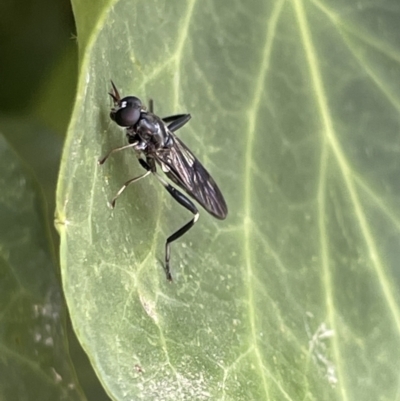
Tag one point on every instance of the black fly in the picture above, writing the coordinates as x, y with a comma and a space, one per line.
154, 141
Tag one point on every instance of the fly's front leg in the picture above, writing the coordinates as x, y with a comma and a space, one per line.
131, 145
186, 203
137, 145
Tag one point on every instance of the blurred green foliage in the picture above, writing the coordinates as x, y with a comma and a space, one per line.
38, 69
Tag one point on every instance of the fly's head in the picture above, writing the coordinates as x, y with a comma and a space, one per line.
126, 111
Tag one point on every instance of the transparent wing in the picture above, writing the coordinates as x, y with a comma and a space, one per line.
182, 167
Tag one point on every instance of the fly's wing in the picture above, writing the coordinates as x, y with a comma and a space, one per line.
182, 167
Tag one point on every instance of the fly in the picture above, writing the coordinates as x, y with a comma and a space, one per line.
155, 143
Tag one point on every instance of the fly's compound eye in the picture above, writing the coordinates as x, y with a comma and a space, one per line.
128, 113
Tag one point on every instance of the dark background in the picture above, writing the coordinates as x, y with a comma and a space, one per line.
38, 70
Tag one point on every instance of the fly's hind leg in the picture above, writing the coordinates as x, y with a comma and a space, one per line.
186, 203
176, 121
151, 106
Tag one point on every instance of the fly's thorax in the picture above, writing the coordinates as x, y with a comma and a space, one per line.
151, 129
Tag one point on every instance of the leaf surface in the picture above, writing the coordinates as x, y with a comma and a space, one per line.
295, 114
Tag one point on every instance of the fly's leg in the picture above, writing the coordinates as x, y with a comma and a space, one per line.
131, 145
175, 117
122, 189
131, 181
186, 203
178, 121
151, 106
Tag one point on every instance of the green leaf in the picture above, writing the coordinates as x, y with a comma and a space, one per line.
34, 363
295, 295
